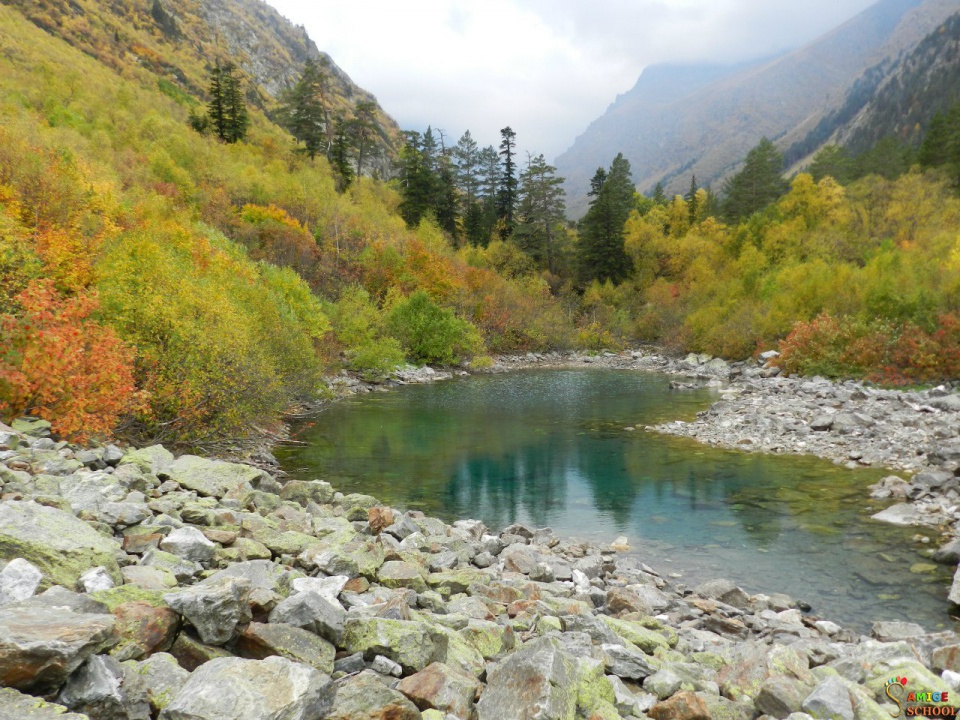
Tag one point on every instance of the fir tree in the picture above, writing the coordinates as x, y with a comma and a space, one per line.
693, 202
304, 111
507, 198
362, 129
227, 110
541, 210
340, 156
758, 184
601, 253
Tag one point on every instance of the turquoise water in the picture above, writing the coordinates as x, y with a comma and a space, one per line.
552, 448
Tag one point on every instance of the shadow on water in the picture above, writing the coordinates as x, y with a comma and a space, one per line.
552, 448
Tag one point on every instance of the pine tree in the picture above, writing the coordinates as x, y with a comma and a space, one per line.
507, 198
659, 196
227, 109
340, 156
758, 184
693, 202
541, 210
484, 220
304, 111
362, 129
601, 253
416, 175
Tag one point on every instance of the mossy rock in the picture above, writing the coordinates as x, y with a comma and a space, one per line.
128, 593
411, 643
644, 638
304, 492
60, 545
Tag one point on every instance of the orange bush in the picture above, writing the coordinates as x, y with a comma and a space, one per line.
58, 363
879, 351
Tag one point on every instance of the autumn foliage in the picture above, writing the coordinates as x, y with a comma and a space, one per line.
58, 363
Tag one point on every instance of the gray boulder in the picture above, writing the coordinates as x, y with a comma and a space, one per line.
189, 544
311, 611
627, 663
15, 705
162, 678
214, 478
215, 609
41, 646
19, 580
271, 689
539, 680
830, 700
365, 697
104, 689
58, 544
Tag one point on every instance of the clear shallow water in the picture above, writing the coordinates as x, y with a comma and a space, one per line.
551, 448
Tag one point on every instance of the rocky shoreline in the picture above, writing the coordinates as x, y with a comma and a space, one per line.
137, 585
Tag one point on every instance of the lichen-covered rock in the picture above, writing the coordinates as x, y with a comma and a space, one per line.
271, 689
305, 492
15, 705
413, 644
364, 697
144, 629
214, 478
682, 706
41, 646
399, 574
155, 459
644, 638
162, 678
538, 680
58, 544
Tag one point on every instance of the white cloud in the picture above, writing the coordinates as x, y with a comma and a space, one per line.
547, 68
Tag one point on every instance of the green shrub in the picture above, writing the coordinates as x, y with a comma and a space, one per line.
430, 333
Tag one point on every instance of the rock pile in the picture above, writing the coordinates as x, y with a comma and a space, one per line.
138, 585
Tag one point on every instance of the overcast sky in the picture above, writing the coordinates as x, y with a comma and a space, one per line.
547, 68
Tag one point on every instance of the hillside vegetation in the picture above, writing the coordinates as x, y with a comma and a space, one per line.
206, 285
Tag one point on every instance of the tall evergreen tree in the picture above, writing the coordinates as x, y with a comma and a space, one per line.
600, 249
507, 199
758, 184
362, 129
416, 179
480, 222
340, 156
541, 211
304, 110
227, 109
659, 196
693, 202
445, 203
467, 158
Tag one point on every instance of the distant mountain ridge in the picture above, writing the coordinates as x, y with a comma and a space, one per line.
179, 40
707, 128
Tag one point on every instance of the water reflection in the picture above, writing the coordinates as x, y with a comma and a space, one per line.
552, 448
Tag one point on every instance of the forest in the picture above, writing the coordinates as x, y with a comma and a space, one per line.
178, 268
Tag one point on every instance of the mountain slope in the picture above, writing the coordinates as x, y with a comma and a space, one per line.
709, 131
918, 86
180, 40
